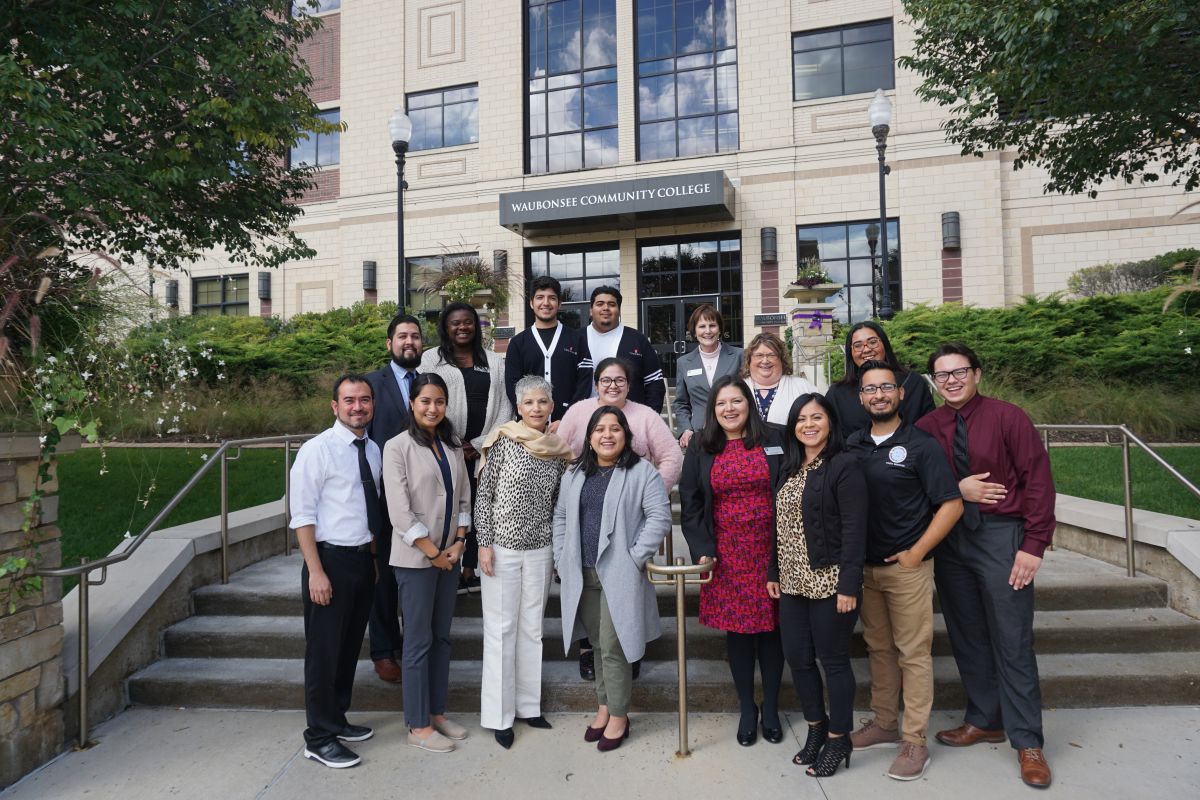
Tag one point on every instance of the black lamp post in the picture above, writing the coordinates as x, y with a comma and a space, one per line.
880, 114
400, 129
873, 242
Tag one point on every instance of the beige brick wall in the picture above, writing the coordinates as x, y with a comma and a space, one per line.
799, 163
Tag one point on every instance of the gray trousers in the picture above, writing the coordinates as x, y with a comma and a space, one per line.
614, 674
991, 628
427, 597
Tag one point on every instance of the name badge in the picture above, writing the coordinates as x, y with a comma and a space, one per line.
773, 450
691, 373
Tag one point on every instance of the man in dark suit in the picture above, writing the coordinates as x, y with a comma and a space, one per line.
391, 385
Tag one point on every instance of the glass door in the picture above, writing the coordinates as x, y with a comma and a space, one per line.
664, 321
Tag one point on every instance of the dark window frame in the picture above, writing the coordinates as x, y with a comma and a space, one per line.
545, 91
425, 310
224, 303
841, 30
729, 297
583, 302
714, 66
317, 138
300, 8
853, 288
443, 105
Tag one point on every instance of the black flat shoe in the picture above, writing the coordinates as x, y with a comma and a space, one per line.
333, 754
606, 744
772, 735
355, 733
537, 722
748, 736
505, 738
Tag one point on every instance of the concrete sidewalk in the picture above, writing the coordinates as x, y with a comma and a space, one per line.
185, 753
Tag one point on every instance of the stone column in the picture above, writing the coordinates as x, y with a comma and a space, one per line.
812, 331
32, 687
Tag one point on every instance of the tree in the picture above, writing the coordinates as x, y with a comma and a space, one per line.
1086, 89
151, 129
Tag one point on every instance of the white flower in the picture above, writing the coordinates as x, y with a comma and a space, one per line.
204, 456
70, 351
91, 357
47, 406
128, 535
158, 422
51, 360
166, 342
1187, 350
85, 374
42, 441
221, 362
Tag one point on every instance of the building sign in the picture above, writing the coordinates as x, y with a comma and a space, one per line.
761, 320
695, 197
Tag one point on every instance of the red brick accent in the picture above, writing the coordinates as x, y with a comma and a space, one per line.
500, 345
952, 287
323, 54
328, 186
264, 309
770, 290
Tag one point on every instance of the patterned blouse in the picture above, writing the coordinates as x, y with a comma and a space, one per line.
796, 574
514, 505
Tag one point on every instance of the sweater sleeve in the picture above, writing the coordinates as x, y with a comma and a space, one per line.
663, 449
485, 493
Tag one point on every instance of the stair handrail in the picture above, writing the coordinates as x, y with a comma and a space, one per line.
680, 574
84, 569
1127, 437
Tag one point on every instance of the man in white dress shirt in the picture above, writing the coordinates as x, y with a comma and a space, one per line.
336, 515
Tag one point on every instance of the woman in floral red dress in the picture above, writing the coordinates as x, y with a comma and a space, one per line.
728, 519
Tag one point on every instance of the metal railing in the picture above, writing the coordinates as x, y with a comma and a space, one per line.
85, 568
1127, 437
680, 575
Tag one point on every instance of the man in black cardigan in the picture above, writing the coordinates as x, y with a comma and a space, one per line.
391, 384
549, 349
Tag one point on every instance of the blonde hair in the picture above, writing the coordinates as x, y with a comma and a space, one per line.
772, 341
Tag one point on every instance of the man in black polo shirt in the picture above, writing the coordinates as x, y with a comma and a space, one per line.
913, 504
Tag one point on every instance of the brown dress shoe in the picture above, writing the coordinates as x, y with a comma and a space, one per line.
967, 734
388, 670
1034, 769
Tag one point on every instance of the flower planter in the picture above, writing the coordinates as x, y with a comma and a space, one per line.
817, 293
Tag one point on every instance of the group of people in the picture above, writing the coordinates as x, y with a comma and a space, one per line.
813, 511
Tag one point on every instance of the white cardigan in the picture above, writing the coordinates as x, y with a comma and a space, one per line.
790, 387
498, 408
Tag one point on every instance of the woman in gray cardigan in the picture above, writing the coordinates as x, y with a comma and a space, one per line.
696, 370
612, 514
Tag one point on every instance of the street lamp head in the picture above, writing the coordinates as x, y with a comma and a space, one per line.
400, 128
880, 110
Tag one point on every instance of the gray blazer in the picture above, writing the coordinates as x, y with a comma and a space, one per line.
636, 518
691, 391
416, 497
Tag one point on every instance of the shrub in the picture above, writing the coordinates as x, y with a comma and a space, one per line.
1130, 276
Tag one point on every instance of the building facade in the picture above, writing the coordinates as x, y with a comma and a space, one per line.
664, 146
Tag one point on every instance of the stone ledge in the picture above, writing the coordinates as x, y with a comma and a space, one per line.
132, 587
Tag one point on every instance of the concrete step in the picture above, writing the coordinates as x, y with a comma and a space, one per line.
1103, 631
1068, 681
1067, 581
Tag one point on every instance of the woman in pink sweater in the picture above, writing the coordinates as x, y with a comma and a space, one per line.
652, 439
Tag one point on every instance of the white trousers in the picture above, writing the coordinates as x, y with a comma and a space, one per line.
514, 602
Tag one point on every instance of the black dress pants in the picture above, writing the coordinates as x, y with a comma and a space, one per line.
991, 628
812, 631
333, 636
386, 641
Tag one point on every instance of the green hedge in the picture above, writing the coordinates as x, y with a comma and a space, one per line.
1039, 343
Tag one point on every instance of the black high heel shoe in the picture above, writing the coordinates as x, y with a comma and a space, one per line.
817, 734
772, 733
835, 749
748, 736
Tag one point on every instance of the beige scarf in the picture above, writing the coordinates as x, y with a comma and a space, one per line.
545, 446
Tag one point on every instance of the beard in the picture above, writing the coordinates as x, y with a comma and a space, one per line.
883, 416
407, 362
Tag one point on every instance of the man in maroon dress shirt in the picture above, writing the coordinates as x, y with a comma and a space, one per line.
984, 569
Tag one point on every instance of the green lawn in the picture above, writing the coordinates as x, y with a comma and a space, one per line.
95, 510
1095, 473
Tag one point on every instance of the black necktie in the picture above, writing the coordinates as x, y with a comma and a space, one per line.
370, 494
962, 464
408, 380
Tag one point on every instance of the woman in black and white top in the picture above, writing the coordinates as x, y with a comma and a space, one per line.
514, 508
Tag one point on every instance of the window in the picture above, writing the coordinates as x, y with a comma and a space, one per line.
302, 8
580, 269
571, 53
848, 255
695, 266
319, 149
444, 118
687, 78
423, 271
840, 61
226, 295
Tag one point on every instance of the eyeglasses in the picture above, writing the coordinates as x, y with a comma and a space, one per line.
764, 357
864, 344
871, 388
959, 375
617, 382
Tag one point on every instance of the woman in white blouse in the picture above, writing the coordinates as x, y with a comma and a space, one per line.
768, 373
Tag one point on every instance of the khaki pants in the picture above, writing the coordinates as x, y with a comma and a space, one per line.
897, 617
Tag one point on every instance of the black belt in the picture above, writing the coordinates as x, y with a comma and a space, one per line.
348, 548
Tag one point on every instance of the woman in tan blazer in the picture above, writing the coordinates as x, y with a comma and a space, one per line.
429, 501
